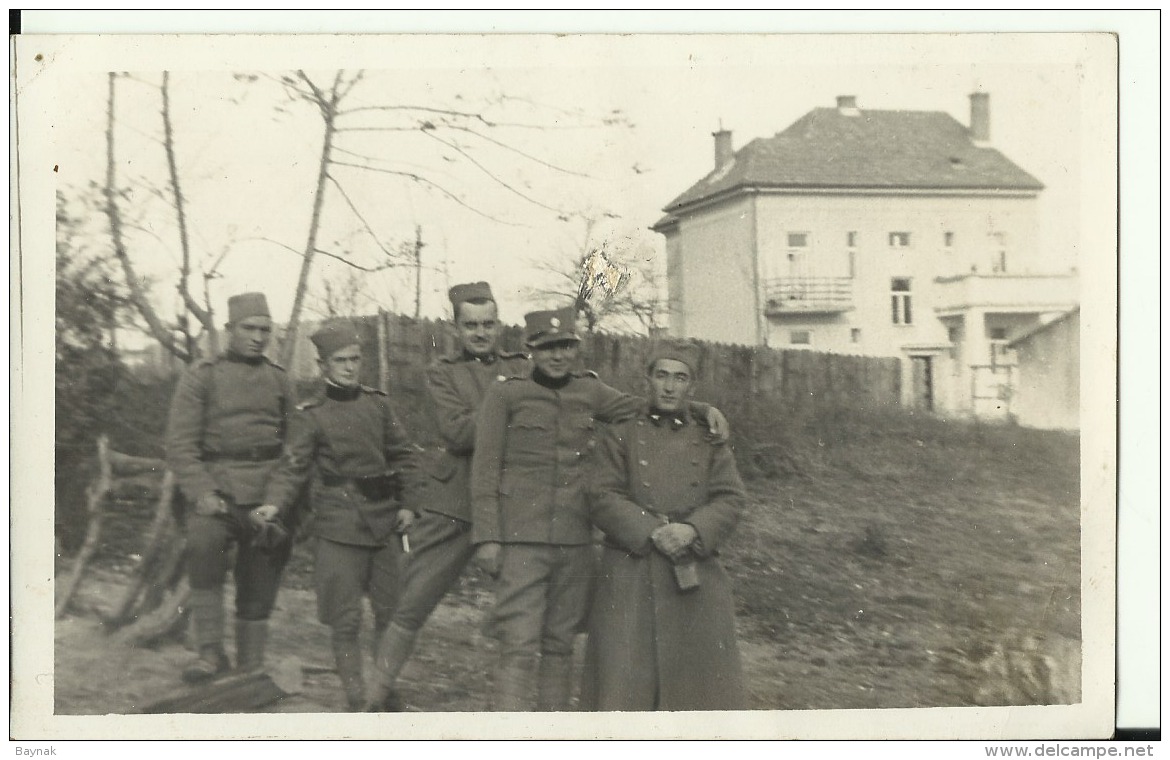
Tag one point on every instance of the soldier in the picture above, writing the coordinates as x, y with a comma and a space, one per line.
529, 518
441, 537
223, 441
662, 624
351, 441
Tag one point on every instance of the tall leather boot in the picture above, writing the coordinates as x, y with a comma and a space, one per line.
554, 685
392, 652
207, 632
347, 654
251, 640
514, 682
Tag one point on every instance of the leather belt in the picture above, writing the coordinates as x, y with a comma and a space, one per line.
264, 453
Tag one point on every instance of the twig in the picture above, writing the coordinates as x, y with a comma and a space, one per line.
95, 495
485, 170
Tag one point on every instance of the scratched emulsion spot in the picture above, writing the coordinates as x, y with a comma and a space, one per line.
38, 57
54, 167
601, 277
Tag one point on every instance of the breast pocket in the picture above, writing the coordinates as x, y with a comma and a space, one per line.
528, 436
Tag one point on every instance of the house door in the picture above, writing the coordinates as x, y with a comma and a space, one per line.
922, 383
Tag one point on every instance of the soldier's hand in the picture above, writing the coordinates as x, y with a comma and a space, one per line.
210, 503
718, 425
673, 539
404, 521
487, 558
263, 514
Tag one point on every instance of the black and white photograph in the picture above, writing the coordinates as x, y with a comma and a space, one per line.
670, 386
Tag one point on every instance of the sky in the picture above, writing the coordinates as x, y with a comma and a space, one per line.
609, 129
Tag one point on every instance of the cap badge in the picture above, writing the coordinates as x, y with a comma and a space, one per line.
555, 322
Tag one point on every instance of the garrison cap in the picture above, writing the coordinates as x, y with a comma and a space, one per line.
247, 305
334, 336
680, 350
544, 327
470, 291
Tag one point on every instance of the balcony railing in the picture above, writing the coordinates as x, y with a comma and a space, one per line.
787, 295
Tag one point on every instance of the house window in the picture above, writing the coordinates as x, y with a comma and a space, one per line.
855, 335
797, 245
852, 263
851, 239
998, 252
800, 337
954, 334
900, 310
949, 239
997, 342
899, 239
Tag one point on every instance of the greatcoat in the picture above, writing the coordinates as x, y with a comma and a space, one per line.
652, 647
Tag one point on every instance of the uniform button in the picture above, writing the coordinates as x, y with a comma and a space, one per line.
647, 485
694, 461
695, 483
641, 442
643, 462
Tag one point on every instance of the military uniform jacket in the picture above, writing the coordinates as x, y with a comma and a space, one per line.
456, 385
531, 446
351, 449
226, 415
652, 471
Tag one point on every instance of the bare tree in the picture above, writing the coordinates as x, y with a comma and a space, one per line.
613, 283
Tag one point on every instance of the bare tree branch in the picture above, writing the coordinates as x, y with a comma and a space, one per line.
424, 181
518, 152
138, 295
389, 253
455, 147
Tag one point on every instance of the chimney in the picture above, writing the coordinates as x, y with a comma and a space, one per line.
981, 117
723, 150
847, 105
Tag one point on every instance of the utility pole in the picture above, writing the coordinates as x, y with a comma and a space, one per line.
418, 246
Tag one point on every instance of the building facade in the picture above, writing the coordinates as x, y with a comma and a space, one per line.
881, 233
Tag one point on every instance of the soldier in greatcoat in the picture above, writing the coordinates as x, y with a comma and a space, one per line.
224, 437
351, 449
529, 516
662, 623
441, 538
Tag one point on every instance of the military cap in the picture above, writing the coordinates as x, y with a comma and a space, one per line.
544, 327
334, 336
470, 291
247, 305
680, 350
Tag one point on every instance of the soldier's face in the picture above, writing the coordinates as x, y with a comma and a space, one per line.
343, 366
555, 359
249, 337
479, 329
670, 384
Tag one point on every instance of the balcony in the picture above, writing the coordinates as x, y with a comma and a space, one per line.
808, 295
1019, 293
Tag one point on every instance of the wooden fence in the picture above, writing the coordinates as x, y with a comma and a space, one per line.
402, 348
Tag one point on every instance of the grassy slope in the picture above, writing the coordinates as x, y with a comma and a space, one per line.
886, 562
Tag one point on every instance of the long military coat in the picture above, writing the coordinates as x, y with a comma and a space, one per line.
455, 385
226, 411
340, 442
650, 646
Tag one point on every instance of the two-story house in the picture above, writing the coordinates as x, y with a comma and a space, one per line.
882, 233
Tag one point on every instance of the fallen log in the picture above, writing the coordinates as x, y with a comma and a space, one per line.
236, 692
95, 497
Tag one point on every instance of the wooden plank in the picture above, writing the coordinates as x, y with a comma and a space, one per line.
95, 494
234, 692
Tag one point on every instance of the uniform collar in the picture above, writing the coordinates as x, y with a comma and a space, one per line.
671, 420
467, 356
232, 356
337, 393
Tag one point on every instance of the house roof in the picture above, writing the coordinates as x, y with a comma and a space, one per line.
1024, 336
826, 148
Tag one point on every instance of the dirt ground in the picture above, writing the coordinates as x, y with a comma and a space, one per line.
857, 586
